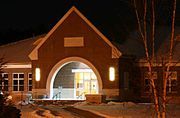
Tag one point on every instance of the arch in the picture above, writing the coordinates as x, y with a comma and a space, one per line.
60, 64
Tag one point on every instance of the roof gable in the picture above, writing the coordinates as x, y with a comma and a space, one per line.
115, 52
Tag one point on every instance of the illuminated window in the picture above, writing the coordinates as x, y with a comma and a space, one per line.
111, 74
87, 76
30, 82
79, 80
171, 82
86, 83
147, 85
4, 81
18, 81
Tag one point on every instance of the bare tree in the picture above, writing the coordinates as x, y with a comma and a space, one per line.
160, 104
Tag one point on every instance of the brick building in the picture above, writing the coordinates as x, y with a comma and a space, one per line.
74, 59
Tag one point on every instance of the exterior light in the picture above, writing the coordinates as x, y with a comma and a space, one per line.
38, 74
111, 74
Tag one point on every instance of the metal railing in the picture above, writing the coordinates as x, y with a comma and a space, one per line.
80, 95
57, 95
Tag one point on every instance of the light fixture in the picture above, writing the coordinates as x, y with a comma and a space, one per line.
111, 74
38, 74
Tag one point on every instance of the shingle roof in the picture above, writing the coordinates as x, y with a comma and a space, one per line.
18, 52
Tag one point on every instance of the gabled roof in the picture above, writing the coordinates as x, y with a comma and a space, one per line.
115, 52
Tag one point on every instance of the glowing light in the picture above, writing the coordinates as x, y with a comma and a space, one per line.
38, 74
9, 97
111, 74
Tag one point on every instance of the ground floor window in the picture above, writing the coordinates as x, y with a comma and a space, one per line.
172, 82
18, 81
4, 81
147, 85
29, 81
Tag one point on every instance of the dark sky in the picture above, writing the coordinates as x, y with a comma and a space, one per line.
21, 19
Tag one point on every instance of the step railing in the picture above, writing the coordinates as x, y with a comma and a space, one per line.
80, 95
57, 95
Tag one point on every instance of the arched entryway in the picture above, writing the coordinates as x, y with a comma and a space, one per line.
72, 78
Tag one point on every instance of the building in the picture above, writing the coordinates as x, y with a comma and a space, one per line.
74, 59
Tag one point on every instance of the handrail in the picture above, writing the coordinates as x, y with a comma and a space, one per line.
80, 95
56, 95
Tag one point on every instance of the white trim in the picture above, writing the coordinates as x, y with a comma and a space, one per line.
18, 79
17, 66
60, 64
34, 54
81, 70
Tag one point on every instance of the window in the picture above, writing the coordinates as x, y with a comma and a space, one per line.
171, 82
79, 80
4, 81
30, 82
18, 81
147, 81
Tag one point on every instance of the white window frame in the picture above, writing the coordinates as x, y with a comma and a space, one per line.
28, 81
18, 84
4, 79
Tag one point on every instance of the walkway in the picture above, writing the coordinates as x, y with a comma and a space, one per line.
82, 113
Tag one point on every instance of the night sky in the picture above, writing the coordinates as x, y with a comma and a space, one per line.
20, 19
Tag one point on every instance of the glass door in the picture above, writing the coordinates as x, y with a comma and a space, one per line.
85, 83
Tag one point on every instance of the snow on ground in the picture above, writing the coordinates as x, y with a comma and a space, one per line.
108, 110
127, 110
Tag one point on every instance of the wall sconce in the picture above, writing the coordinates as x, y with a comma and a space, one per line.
111, 74
38, 74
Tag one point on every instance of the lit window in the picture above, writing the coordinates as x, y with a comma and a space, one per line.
30, 82
79, 80
4, 81
18, 81
147, 85
111, 74
171, 82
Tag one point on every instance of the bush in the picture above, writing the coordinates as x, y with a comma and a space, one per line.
8, 110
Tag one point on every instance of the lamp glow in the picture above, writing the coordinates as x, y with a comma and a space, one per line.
38, 74
111, 74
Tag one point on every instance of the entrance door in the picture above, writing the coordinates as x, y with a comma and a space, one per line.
86, 83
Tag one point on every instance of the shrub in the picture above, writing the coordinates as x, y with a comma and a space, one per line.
8, 110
